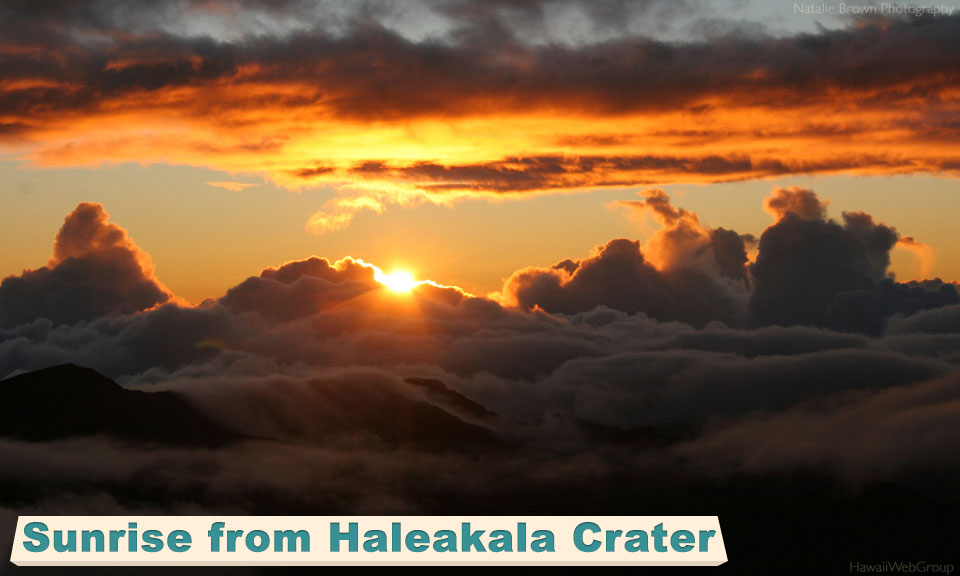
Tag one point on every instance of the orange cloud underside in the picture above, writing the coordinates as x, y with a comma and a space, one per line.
306, 144
488, 114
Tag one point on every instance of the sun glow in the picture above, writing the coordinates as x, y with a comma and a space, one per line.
398, 281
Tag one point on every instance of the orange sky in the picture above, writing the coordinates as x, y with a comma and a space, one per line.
377, 116
378, 163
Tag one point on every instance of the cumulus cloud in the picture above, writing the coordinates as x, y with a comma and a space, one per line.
686, 271
805, 261
809, 269
801, 202
683, 242
95, 270
315, 312
619, 276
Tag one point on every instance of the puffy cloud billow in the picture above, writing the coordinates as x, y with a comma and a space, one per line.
95, 270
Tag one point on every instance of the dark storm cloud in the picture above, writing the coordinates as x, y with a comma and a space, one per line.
95, 270
93, 54
244, 86
730, 252
805, 262
489, 72
619, 276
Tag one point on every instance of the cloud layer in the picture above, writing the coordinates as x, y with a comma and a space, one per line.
436, 101
689, 339
802, 378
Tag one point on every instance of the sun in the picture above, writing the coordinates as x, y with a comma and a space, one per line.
398, 281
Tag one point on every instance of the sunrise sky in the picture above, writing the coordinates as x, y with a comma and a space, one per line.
464, 141
545, 257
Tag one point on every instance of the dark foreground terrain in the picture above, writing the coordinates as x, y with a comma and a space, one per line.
154, 452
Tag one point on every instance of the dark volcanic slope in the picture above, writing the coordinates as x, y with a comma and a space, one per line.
68, 401
439, 391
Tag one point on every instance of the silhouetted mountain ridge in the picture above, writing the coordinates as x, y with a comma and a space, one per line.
68, 401
439, 391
